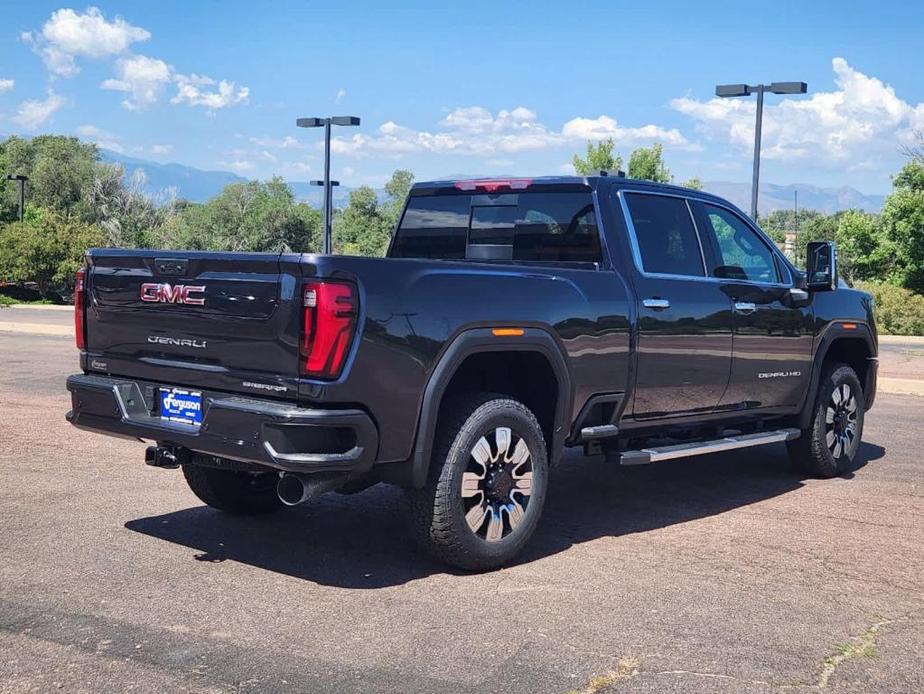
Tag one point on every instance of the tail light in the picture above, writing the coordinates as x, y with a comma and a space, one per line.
330, 321
80, 309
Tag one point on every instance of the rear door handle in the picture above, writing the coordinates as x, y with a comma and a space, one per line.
745, 307
656, 304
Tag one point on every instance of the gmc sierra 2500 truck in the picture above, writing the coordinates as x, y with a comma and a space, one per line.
511, 319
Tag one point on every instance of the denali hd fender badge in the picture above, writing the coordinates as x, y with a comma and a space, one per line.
173, 293
177, 341
779, 374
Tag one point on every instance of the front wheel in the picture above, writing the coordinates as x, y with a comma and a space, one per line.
487, 483
828, 447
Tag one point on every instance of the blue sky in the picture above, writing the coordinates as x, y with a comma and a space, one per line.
470, 87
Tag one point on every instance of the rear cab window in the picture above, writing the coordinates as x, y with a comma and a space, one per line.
532, 225
666, 239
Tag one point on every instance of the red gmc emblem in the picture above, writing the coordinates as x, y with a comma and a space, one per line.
173, 294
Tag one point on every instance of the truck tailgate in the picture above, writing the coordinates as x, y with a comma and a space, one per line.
210, 320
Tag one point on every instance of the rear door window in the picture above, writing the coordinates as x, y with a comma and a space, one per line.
530, 226
667, 240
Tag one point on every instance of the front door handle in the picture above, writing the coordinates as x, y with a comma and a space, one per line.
745, 307
656, 304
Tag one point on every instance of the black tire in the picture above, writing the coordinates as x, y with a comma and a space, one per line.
813, 451
233, 491
437, 514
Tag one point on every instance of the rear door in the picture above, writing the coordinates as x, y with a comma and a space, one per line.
772, 357
223, 321
684, 318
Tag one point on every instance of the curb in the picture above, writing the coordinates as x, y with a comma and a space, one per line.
900, 386
43, 307
37, 328
901, 340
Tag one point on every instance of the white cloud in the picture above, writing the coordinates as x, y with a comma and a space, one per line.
141, 77
102, 138
474, 130
341, 94
239, 165
287, 142
861, 122
68, 35
161, 149
6, 85
193, 90
604, 127
33, 113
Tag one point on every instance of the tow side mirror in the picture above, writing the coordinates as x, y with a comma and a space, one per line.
821, 266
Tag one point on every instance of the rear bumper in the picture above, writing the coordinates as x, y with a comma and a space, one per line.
264, 432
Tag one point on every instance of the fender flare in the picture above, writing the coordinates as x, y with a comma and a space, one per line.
834, 331
480, 340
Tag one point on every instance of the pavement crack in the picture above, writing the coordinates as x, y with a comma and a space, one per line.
861, 646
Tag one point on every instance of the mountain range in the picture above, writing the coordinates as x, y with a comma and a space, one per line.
199, 185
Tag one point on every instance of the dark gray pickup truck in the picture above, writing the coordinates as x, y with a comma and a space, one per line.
511, 319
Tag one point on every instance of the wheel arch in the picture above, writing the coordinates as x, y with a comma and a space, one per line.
481, 344
853, 346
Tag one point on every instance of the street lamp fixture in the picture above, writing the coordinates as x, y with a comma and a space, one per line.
22, 193
328, 184
733, 90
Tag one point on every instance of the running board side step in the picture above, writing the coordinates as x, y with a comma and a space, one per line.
684, 450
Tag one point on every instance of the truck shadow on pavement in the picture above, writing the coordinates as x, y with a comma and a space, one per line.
359, 541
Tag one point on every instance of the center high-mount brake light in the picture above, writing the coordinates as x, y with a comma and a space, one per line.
329, 324
495, 185
80, 309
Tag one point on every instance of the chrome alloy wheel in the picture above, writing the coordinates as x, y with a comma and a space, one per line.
841, 422
497, 484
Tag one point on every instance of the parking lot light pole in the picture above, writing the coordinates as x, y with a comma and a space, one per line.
731, 90
328, 196
22, 193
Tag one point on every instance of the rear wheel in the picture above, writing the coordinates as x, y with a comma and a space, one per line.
828, 447
487, 483
234, 491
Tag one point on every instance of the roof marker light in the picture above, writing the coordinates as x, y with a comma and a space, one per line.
493, 186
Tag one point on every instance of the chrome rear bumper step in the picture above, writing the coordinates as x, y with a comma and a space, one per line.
684, 450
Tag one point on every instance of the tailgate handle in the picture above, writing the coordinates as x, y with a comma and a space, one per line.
171, 266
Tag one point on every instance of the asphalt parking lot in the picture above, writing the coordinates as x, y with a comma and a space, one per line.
725, 573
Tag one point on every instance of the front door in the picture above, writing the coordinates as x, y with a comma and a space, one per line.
684, 318
772, 359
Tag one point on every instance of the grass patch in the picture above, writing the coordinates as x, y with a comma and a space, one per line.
863, 646
626, 668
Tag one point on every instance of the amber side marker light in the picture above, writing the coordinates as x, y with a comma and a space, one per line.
507, 332
849, 326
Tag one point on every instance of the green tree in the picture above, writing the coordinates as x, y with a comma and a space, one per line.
46, 249
252, 216
599, 158
903, 223
693, 183
59, 170
647, 163
365, 225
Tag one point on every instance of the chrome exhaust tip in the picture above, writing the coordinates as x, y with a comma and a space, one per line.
291, 490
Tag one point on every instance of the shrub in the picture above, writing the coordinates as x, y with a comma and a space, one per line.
898, 311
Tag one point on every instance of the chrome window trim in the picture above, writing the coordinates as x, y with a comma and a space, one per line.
636, 252
633, 236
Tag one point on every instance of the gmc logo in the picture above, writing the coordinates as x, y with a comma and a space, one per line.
173, 294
